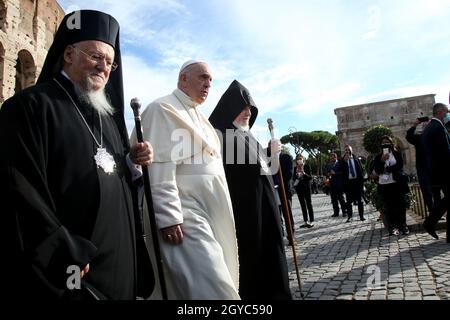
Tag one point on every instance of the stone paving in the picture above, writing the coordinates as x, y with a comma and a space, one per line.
360, 261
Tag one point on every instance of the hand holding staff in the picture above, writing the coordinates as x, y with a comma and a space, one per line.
286, 215
136, 105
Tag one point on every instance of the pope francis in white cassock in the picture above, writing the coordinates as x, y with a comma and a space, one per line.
190, 194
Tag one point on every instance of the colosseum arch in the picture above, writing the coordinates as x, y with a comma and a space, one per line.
2, 70
3, 10
25, 71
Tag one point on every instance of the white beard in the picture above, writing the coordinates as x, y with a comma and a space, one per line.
95, 99
242, 127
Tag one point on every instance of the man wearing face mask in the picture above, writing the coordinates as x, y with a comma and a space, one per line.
388, 165
437, 146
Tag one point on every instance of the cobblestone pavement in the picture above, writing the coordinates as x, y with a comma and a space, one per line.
360, 261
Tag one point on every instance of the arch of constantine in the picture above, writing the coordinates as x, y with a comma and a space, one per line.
398, 115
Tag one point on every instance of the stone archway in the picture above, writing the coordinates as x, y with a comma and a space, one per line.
3, 11
403, 148
2, 70
25, 71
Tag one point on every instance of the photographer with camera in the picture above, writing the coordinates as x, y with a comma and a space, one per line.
388, 165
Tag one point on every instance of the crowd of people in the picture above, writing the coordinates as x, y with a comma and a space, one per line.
71, 183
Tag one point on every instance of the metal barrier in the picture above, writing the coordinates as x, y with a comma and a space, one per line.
418, 205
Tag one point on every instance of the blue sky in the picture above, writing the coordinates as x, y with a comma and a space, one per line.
299, 59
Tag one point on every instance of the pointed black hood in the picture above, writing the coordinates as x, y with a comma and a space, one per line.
85, 25
230, 105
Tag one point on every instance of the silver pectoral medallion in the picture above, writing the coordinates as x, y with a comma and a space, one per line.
104, 160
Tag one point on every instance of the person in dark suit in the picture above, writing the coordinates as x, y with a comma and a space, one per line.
353, 182
430, 195
286, 168
437, 147
336, 189
302, 184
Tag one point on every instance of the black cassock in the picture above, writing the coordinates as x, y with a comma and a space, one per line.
262, 261
58, 209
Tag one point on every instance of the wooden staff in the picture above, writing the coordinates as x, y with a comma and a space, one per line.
136, 105
285, 210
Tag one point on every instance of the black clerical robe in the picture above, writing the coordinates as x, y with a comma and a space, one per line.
263, 270
58, 208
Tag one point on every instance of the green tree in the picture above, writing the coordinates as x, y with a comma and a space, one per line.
313, 143
372, 138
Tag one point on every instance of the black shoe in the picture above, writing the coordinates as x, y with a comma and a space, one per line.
335, 215
305, 225
310, 225
404, 230
394, 232
349, 219
430, 229
362, 219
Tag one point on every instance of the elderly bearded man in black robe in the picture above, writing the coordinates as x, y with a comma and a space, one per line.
66, 174
262, 261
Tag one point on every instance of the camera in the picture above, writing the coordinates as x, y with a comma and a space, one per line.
386, 148
423, 119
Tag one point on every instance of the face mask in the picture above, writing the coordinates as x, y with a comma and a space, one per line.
299, 162
446, 118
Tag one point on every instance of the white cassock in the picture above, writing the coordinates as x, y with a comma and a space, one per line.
189, 187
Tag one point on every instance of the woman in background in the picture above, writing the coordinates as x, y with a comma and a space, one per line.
388, 165
302, 184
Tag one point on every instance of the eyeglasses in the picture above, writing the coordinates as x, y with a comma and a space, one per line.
98, 57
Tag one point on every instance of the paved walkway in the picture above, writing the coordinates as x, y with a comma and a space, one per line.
360, 261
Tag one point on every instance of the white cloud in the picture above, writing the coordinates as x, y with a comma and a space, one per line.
411, 81
373, 22
304, 57
441, 91
145, 83
319, 101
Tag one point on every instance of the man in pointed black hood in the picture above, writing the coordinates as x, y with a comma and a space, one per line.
262, 260
67, 199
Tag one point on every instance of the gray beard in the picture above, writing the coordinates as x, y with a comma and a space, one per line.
241, 127
95, 99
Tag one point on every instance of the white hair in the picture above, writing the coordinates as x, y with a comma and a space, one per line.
97, 99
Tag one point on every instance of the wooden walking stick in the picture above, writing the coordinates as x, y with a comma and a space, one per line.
136, 105
286, 215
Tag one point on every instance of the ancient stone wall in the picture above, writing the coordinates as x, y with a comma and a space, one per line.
27, 28
398, 115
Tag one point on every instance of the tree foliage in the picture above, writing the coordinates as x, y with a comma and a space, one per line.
372, 138
313, 143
